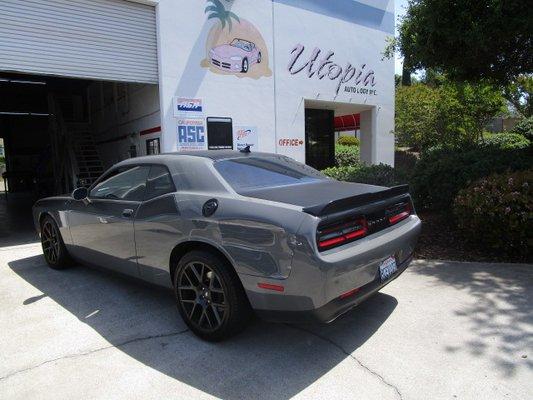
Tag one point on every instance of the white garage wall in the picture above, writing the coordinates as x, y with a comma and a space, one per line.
351, 44
275, 104
183, 32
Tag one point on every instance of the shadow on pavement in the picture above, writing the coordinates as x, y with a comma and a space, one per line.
501, 316
271, 361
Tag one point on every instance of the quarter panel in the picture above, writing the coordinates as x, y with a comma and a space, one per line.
255, 236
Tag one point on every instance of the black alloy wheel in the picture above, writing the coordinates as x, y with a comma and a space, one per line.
210, 296
54, 250
202, 296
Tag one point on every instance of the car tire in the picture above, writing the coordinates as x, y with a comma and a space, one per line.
259, 58
210, 296
54, 250
245, 66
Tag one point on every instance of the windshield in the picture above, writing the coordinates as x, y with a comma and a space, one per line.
263, 172
242, 44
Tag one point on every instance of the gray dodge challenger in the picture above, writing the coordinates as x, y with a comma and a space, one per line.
235, 234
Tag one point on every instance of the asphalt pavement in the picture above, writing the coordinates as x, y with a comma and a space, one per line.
443, 330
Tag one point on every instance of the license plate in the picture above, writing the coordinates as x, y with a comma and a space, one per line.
387, 268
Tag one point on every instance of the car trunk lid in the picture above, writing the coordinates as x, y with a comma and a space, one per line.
346, 211
313, 194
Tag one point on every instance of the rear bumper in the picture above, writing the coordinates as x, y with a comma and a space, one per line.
313, 290
336, 307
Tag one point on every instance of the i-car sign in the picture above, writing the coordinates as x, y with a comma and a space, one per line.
189, 105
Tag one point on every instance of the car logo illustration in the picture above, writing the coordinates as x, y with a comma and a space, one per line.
236, 56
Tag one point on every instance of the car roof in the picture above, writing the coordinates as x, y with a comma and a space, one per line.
220, 154
214, 155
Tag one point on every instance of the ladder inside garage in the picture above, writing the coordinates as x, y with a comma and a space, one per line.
76, 159
89, 164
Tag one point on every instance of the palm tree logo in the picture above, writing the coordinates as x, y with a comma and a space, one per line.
216, 9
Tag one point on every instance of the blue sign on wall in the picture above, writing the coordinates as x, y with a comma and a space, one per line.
191, 134
184, 104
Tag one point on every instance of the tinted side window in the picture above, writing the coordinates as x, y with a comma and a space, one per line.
159, 182
123, 184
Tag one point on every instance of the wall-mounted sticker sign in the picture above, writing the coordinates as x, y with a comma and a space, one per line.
185, 105
220, 133
191, 134
350, 78
245, 136
290, 142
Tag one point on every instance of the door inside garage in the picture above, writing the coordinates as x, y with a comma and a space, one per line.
78, 83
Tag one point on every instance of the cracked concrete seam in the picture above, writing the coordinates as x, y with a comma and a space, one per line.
339, 347
76, 355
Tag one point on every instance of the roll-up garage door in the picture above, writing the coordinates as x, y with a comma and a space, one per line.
97, 39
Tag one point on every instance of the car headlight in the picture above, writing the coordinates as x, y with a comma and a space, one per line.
235, 58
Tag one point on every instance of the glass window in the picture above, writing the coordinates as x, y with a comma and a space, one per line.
159, 182
133, 151
152, 146
123, 184
261, 172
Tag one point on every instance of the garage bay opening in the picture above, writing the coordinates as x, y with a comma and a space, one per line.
63, 133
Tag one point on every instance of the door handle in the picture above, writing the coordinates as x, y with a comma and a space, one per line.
127, 212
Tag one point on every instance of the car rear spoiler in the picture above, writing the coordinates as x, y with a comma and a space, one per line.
346, 203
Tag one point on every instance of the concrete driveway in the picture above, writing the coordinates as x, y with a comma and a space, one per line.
441, 331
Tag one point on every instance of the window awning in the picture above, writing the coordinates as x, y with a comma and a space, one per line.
349, 122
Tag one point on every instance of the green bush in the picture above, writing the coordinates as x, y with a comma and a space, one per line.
2, 160
506, 141
442, 171
348, 141
450, 113
525, 128
381, 175
346, 155
405, 162
497, 212
343, 173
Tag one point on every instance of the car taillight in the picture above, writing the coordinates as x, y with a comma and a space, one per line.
340, 233
399, 213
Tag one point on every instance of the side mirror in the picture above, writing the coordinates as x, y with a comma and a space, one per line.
80, 193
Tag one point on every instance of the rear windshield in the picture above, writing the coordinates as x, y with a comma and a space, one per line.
263, 172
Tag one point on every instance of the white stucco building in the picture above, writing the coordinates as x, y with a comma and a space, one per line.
179, 75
